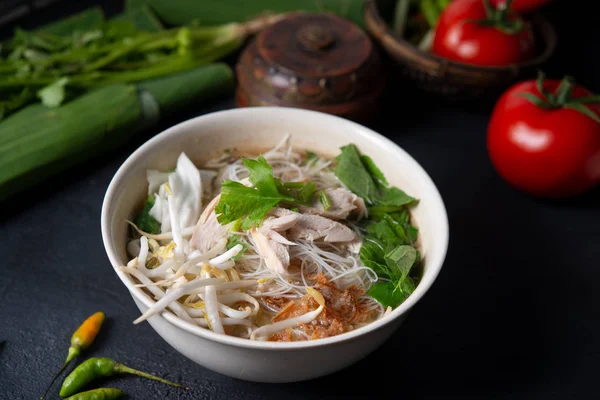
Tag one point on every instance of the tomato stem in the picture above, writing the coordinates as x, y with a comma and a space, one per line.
562, 97
498, 18
563, 93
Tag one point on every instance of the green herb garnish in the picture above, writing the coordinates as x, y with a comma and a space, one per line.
310, 158
144, 220
53, 94
352, 172
235, 240
388, 246
325, 200
361, 176
251, 204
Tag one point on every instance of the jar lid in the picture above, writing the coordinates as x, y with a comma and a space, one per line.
315, 61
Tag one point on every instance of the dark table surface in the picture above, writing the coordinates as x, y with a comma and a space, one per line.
514, 313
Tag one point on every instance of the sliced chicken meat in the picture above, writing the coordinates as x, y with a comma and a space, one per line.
343, 202
272, 226
275, 254
313, 227
208, 230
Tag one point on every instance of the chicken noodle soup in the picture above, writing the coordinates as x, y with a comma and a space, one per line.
283, 246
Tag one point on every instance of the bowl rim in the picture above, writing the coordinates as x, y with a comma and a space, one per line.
375, 25
442, 231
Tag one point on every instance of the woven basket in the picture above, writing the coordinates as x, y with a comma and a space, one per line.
455, 80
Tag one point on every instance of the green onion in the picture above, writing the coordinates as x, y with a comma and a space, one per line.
59, 68
325, 200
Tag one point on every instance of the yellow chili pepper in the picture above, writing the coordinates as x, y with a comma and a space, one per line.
82, 339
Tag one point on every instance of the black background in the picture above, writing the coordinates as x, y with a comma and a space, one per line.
514, 313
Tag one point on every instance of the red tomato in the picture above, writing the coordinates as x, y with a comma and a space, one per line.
521, 6
458, 37
546, 152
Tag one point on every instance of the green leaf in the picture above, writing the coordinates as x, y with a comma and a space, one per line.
261, 174
395, 197
352, 172
387, 294
384, 230
372, 255
375, 172
241, 202
302, 191
413, 232
294, 185
306, 192
387, 249
400, 225
250, 204
144, 220
400, 261
235, 240
360, 174
402, 217
54, 94
430, 11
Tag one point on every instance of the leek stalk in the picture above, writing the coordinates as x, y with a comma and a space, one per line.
37, 142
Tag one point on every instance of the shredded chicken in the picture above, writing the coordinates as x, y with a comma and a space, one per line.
275, 254
343, 202
314, 227
208, 230
272, 226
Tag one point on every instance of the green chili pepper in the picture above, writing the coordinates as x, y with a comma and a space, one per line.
98, 394
81, 340
94, 368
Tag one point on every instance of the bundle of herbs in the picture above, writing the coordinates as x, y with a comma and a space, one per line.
54, 67
84, 85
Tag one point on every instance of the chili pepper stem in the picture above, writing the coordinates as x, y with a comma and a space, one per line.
73, 352
120, 368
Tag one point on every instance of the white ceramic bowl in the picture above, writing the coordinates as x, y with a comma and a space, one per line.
261, 128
